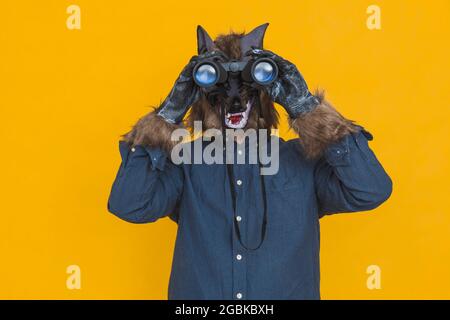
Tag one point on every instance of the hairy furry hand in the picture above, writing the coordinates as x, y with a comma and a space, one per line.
321, 127
152, 131
184, 92
289, 89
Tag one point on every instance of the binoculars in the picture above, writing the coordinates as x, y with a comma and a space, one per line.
209, 73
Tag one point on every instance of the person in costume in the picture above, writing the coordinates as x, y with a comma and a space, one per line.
241, 234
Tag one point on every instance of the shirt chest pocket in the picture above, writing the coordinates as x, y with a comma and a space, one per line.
287, 187
287, 199
286, 180
209, 183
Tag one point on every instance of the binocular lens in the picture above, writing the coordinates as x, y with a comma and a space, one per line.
209, 73
264, 72
206, 75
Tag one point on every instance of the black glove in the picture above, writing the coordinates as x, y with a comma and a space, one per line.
184, 92
289, 89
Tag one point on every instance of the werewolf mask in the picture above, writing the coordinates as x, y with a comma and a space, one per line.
235, 102
239, 104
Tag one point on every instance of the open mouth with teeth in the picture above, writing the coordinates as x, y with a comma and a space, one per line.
238, 120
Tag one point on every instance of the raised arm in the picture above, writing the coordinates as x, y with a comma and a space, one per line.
348, 176
147, 186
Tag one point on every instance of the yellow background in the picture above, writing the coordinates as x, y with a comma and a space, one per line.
67, 95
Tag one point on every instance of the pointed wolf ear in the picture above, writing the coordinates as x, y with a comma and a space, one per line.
204, 41
253, 39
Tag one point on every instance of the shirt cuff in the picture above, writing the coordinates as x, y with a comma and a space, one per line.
338, 154
157, 156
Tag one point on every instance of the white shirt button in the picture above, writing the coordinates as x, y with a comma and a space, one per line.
239, 182
133, 149
239, 295
238, 218
240, 152
239, 257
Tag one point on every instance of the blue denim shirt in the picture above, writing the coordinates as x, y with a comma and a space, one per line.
209, 262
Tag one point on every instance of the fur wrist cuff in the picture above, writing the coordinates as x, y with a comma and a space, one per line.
152, 131
320, 128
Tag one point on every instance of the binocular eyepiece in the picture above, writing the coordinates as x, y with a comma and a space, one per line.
208, 73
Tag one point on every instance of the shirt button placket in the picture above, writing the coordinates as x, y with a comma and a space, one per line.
239, 263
